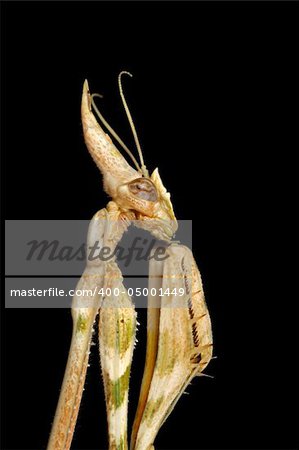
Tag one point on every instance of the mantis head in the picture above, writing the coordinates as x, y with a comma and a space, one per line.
133, 190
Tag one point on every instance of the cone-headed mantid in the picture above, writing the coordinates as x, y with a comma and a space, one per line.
179, 337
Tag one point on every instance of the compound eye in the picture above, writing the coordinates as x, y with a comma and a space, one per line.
144, 188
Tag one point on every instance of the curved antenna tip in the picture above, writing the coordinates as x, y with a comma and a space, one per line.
125, 72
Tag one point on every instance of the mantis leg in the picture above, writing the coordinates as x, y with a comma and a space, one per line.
153, 318
184, 345
84, 312
117, 326
75, 372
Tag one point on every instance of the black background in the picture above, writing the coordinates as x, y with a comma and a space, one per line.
213, 102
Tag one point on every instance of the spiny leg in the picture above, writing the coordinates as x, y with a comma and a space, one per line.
84, 311
117, 327
153, 318
104, 228
184, 335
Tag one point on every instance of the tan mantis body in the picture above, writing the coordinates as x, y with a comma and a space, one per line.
179, 338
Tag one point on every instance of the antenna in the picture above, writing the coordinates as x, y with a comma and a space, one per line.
113, 133
143, 167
